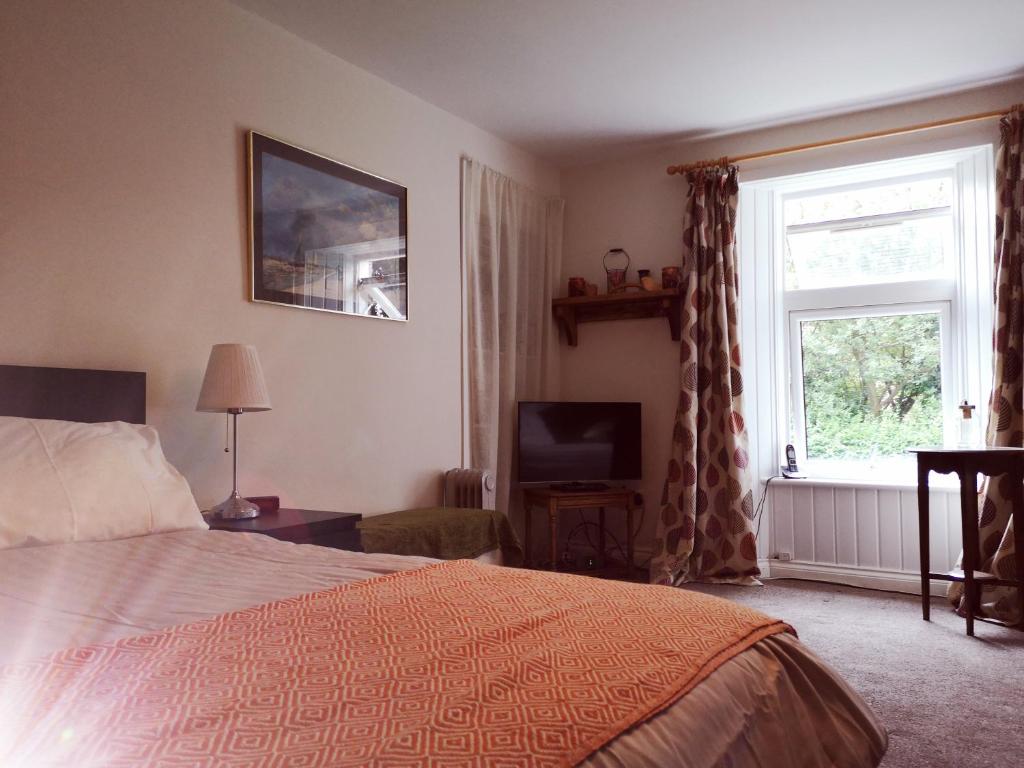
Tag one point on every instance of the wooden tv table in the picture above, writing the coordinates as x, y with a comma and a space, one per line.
555, 500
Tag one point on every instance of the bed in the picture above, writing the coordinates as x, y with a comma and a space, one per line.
92, 625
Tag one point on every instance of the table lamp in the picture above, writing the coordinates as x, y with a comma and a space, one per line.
234, 384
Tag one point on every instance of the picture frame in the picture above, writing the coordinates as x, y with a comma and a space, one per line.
324, 235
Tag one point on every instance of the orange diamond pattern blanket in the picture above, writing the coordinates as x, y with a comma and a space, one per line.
454, 664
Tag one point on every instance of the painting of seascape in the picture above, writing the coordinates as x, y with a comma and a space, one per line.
325, 235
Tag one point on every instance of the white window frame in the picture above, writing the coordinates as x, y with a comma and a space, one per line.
766, 308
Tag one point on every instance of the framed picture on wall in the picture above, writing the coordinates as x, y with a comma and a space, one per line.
324, 235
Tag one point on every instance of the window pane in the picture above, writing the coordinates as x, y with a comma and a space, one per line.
909, 250
872, 386
889, 198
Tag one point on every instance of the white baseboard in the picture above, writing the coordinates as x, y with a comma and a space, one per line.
870, 578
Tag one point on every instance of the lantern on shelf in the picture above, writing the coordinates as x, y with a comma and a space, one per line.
616, 262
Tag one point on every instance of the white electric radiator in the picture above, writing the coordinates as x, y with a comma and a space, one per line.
470, 488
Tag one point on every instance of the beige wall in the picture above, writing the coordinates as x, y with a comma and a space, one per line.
122, 240
632, 203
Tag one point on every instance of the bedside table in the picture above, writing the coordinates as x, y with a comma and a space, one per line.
300, 526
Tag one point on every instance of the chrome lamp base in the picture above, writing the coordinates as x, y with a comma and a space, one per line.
236, 508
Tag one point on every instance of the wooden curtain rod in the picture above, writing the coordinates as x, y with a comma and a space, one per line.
687, 167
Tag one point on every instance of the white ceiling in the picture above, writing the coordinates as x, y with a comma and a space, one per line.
572, 80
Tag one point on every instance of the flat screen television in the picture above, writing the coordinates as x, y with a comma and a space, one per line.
578, 442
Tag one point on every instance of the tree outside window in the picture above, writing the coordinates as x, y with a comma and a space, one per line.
872, 385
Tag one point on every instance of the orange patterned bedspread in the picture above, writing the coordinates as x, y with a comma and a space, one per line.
452, 664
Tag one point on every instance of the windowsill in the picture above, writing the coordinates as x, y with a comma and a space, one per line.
935, 482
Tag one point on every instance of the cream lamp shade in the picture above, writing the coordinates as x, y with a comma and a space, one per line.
233, 381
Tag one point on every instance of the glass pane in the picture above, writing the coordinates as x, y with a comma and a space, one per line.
908, 250
872, 386
888, 198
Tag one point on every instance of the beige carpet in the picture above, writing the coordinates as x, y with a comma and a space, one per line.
947, 700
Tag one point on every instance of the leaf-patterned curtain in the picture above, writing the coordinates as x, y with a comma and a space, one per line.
1006, 413
704, 531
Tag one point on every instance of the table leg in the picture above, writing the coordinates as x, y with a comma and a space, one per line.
1018, 538
600, 537
631, 564
527, 534
922, 526
969, 528
553, 522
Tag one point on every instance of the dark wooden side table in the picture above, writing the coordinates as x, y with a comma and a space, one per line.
300, 526
555, 500
968, 464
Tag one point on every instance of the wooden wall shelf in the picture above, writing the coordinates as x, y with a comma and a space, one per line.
570, 312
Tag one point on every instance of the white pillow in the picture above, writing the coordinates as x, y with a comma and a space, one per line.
65, 481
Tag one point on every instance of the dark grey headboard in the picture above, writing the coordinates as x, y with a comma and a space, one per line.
72, 394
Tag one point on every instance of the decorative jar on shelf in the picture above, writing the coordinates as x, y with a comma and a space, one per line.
670, 277
967, 438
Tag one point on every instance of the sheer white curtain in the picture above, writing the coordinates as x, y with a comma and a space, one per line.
512, 253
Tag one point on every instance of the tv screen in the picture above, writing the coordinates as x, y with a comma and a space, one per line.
568, 442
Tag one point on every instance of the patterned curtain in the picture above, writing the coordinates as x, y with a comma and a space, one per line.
1006, 413
704, 531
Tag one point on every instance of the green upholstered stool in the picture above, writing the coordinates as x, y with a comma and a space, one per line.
447, 533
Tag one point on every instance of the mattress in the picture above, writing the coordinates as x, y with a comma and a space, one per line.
775, 704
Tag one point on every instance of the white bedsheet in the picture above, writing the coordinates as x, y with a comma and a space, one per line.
773, 705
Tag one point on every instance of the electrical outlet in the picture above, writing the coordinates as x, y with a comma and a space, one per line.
785, 556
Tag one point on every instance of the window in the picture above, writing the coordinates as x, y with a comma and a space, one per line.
876, 294
867, 384
873, 234
867, 374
